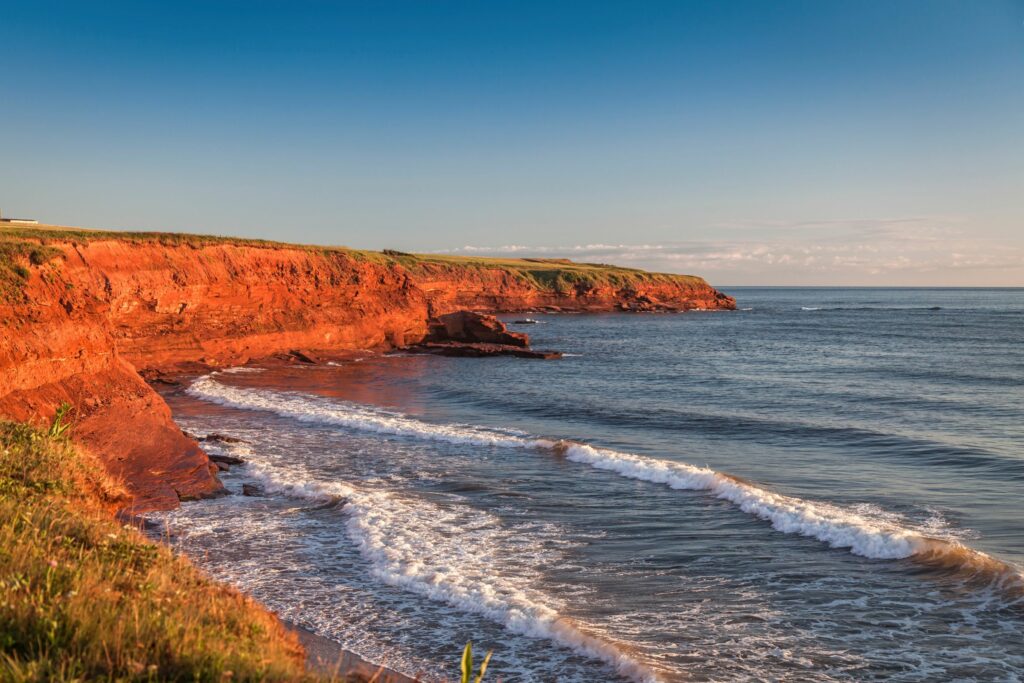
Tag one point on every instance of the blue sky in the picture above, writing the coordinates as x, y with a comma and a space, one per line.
819, 142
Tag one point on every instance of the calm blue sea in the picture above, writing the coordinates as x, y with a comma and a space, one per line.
825, 485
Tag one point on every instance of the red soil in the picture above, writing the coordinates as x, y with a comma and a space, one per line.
89, 320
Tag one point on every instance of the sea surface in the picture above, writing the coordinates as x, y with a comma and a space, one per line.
825, 485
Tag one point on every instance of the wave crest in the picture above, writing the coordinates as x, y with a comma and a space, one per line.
449, 555
837, 526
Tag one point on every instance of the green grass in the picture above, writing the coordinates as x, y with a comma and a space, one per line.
467, 665
83, 235
557, 275
84, 598
16, 258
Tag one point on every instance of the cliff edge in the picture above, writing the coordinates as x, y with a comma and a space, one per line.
83, 311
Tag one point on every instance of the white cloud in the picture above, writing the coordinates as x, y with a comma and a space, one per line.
908, 250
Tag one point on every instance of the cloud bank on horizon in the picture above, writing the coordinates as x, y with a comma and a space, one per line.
914, 251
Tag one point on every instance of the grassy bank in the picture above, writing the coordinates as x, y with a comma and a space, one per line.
18, 244
85, 598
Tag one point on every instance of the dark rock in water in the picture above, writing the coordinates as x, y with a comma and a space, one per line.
332, 502
526, 321
473, 335
469, 327
253, 490
154, 376
225, 459
186, 496
480, 350
223, 438
304, 356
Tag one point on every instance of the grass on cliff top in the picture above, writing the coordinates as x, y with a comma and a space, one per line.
551, 274
84, 598
16, 257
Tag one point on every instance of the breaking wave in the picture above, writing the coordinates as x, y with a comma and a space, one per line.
451, 555
838, 527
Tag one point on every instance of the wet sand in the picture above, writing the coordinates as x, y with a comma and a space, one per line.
327, 657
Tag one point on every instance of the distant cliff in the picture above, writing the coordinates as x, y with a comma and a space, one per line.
82, 311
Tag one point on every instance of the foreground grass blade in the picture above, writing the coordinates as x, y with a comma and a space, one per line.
467, 662
483, 666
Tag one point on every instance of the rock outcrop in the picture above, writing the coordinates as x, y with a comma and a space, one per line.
468, 334
472, 327
480, 350
82, 312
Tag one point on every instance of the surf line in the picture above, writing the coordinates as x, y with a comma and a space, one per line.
405, 543
829, 523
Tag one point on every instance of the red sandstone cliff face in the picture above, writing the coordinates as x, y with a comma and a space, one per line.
106, 308
451, 288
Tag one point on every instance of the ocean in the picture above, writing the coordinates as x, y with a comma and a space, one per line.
824, 485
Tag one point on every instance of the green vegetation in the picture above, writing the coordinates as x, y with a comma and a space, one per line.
48, 233
467, 664
15, 257
84, 598
59, 428
559, 275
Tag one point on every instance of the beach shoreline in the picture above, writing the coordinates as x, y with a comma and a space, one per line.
330, 658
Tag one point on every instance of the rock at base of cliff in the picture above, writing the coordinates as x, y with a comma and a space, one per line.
480, 350
644, 304
225, 460
471, 328
304, 356
223, 438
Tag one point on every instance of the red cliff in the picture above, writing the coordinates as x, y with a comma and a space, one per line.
81, 312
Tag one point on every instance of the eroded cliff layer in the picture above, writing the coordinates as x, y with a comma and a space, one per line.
82, 311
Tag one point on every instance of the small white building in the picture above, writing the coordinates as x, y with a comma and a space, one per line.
20, 221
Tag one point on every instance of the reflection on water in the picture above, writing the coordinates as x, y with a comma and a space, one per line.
413, 503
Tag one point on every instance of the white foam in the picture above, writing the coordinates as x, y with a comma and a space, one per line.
875, 536
450, 554
238, 370
354, 416
837, 527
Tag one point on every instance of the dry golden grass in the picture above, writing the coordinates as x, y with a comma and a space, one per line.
84, 598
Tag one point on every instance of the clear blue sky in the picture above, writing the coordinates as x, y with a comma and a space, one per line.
782, 142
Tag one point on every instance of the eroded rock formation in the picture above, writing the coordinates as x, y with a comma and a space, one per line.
472, 327
469, 334
82, 324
